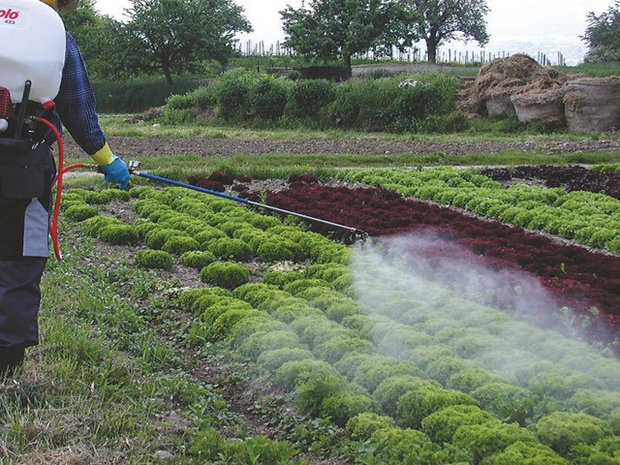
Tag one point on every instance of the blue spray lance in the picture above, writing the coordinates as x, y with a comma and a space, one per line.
133, 169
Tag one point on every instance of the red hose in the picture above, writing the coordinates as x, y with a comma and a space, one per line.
58, 179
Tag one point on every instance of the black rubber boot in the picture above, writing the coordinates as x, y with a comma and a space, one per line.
10, 359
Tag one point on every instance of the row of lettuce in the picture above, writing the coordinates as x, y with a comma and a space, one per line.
585, 217
413, 372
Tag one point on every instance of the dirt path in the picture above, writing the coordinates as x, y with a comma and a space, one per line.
144, 147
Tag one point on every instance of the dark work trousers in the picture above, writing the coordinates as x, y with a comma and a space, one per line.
25, 205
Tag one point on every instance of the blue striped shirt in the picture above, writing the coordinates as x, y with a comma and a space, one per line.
76, 106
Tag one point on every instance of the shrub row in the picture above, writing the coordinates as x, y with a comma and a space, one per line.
242, 96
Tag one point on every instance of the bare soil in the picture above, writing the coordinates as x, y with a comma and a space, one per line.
131, 147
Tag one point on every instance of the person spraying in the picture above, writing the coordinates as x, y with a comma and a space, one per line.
42, 74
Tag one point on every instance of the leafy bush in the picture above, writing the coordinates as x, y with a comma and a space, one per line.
190, 297
415, 405
197, 259
119, 234
509, 403
334, 348
261, 342
228, 275
391, 389
309, 97
371, 374
296, 372
157, 237
311, 393
522, 453
271, 360
180, 244
223, 325
268, 98
232, 94
474, 443
230, 249
278, 249
403, 446
154, 259
259, 450
441, 425
80, 212
563, 430
345, 404
93, 226
363, 426
471, 378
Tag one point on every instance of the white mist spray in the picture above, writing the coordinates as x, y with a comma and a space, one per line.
438, 290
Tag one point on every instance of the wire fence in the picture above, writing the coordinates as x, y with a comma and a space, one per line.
410, 54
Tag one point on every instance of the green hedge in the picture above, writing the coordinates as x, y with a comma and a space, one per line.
138, 95
378, 105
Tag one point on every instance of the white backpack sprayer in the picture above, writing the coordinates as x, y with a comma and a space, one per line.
32, 58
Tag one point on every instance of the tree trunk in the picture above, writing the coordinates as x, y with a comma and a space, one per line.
347, 64
165, 66
431, 48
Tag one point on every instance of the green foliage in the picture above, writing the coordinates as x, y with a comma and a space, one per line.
277, 249
471, 378
603, 35
563, 430
309, 98
232, 94
415, 405
345, 404
154, 259
190, 297
268, 98
271, 360
261, 342
93, 226
119, 234
391, 389
297, 372
474, 443
157, 237
175, 36
259, 450
406, 446
437, 22
441, 425
509, 403
363, 426
80, 212
311, 394
522, 453
197, 259
230, 249
333, 29
334, 348
180, 244
228, 275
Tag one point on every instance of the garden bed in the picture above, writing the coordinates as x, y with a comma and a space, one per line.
576, 277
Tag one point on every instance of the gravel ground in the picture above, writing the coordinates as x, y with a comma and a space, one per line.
128, 147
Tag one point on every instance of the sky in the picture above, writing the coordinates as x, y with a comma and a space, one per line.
528, 26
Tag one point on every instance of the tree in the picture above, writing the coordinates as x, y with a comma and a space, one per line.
98, 39
603, 35
338, 29
439, 21
177, 35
